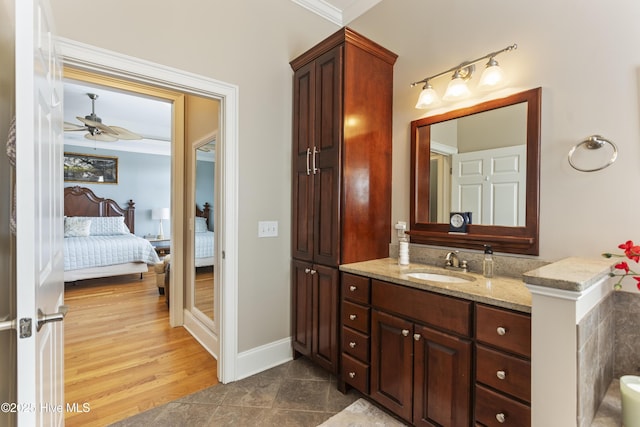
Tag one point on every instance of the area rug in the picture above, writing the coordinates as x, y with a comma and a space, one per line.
361, 413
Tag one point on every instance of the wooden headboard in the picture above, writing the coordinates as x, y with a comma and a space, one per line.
81, 201
204, 212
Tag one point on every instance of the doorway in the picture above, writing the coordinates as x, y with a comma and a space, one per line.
110, 65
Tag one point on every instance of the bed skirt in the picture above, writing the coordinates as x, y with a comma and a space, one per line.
110, 270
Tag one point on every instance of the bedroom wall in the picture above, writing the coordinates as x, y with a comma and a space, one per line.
205, 184
144, 178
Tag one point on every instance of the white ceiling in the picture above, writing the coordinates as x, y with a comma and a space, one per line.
150, 117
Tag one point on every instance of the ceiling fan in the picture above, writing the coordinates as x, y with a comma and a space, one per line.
97, 131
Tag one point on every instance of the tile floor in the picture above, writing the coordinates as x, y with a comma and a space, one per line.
296, 393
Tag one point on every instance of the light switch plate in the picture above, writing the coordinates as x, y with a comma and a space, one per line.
267, 228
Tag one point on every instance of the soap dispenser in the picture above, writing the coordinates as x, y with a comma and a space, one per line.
403, 243
487, 263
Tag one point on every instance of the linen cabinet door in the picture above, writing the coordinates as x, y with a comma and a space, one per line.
301, 307
392, 362
325, 345
442, 379
303, 142
325, 159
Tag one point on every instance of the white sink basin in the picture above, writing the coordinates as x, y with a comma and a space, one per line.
436, 277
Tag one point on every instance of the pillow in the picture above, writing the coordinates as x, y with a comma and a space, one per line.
201, 225
106, 225
76, 226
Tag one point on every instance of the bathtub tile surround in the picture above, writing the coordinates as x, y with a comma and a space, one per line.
596, 338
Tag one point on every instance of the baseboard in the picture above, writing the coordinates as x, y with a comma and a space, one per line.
261, 358
201, 333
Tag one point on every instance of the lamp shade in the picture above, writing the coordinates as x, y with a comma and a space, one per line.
457, 89
160, 213
428, 97
492, 76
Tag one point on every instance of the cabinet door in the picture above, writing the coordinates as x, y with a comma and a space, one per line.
442, 379
325, 344
392, 363
301, 308
326, 157
303, 143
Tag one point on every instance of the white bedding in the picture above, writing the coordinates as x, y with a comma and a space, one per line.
204, 248
99, 251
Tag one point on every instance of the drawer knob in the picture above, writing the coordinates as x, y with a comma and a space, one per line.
501, 417
352, 316
501, 375
352, 375
352, 344
353, 288
501, 330
416, 337
307, 270
405, 332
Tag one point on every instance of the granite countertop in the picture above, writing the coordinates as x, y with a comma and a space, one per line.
570, 274
506, 292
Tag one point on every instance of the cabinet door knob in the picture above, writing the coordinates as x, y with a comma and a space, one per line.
307, 270
501, 417
501, 330
501, 375
313, 272
417, 337
352, 288
405, 332
352, 374
352, 317
352, 344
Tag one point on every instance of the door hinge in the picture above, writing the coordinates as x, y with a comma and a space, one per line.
223, 255
25, 327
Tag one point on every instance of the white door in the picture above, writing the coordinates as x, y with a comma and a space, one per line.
491, 184
39, 254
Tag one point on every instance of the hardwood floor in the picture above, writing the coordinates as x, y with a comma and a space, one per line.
121, 355
204, 289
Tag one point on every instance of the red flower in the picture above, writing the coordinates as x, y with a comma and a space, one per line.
623, 266
638, 282
631, 251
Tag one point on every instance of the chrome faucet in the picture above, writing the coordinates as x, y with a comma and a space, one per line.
452, 261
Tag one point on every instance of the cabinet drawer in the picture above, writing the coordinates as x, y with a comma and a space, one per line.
496, 410
503, 372
355, 373
355, 316
504, 329
355, 288
355, 344
441, 311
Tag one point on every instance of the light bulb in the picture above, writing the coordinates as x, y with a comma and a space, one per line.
427, 97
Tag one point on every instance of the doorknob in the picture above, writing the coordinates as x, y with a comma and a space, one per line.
55, 317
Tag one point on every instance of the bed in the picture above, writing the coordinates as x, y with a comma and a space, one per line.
204, 238
99, 239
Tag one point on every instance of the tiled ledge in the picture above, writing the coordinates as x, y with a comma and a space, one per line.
610, 412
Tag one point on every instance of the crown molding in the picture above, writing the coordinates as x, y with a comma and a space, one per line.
337, 15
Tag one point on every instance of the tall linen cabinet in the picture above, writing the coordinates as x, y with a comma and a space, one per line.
341, 183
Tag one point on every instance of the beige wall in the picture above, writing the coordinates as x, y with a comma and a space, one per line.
583, 54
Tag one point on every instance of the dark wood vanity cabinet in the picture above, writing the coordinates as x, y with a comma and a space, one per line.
341, 178
503, 367
435, 360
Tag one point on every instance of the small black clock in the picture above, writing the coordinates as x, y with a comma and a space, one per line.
458, 222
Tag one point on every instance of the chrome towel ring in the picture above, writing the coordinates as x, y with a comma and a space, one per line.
594, 142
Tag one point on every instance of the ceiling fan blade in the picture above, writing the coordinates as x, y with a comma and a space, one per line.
101, 137
70, 127
97, 125
123, 133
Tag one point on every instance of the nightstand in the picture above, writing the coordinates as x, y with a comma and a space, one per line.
162, 246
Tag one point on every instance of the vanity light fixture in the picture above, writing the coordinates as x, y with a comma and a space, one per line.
492, 77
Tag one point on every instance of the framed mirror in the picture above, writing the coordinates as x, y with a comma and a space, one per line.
483, 159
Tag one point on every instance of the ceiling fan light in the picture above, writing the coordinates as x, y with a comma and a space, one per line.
427, 97
103, 137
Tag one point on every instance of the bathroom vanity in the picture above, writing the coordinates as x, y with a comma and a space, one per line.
436, 352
